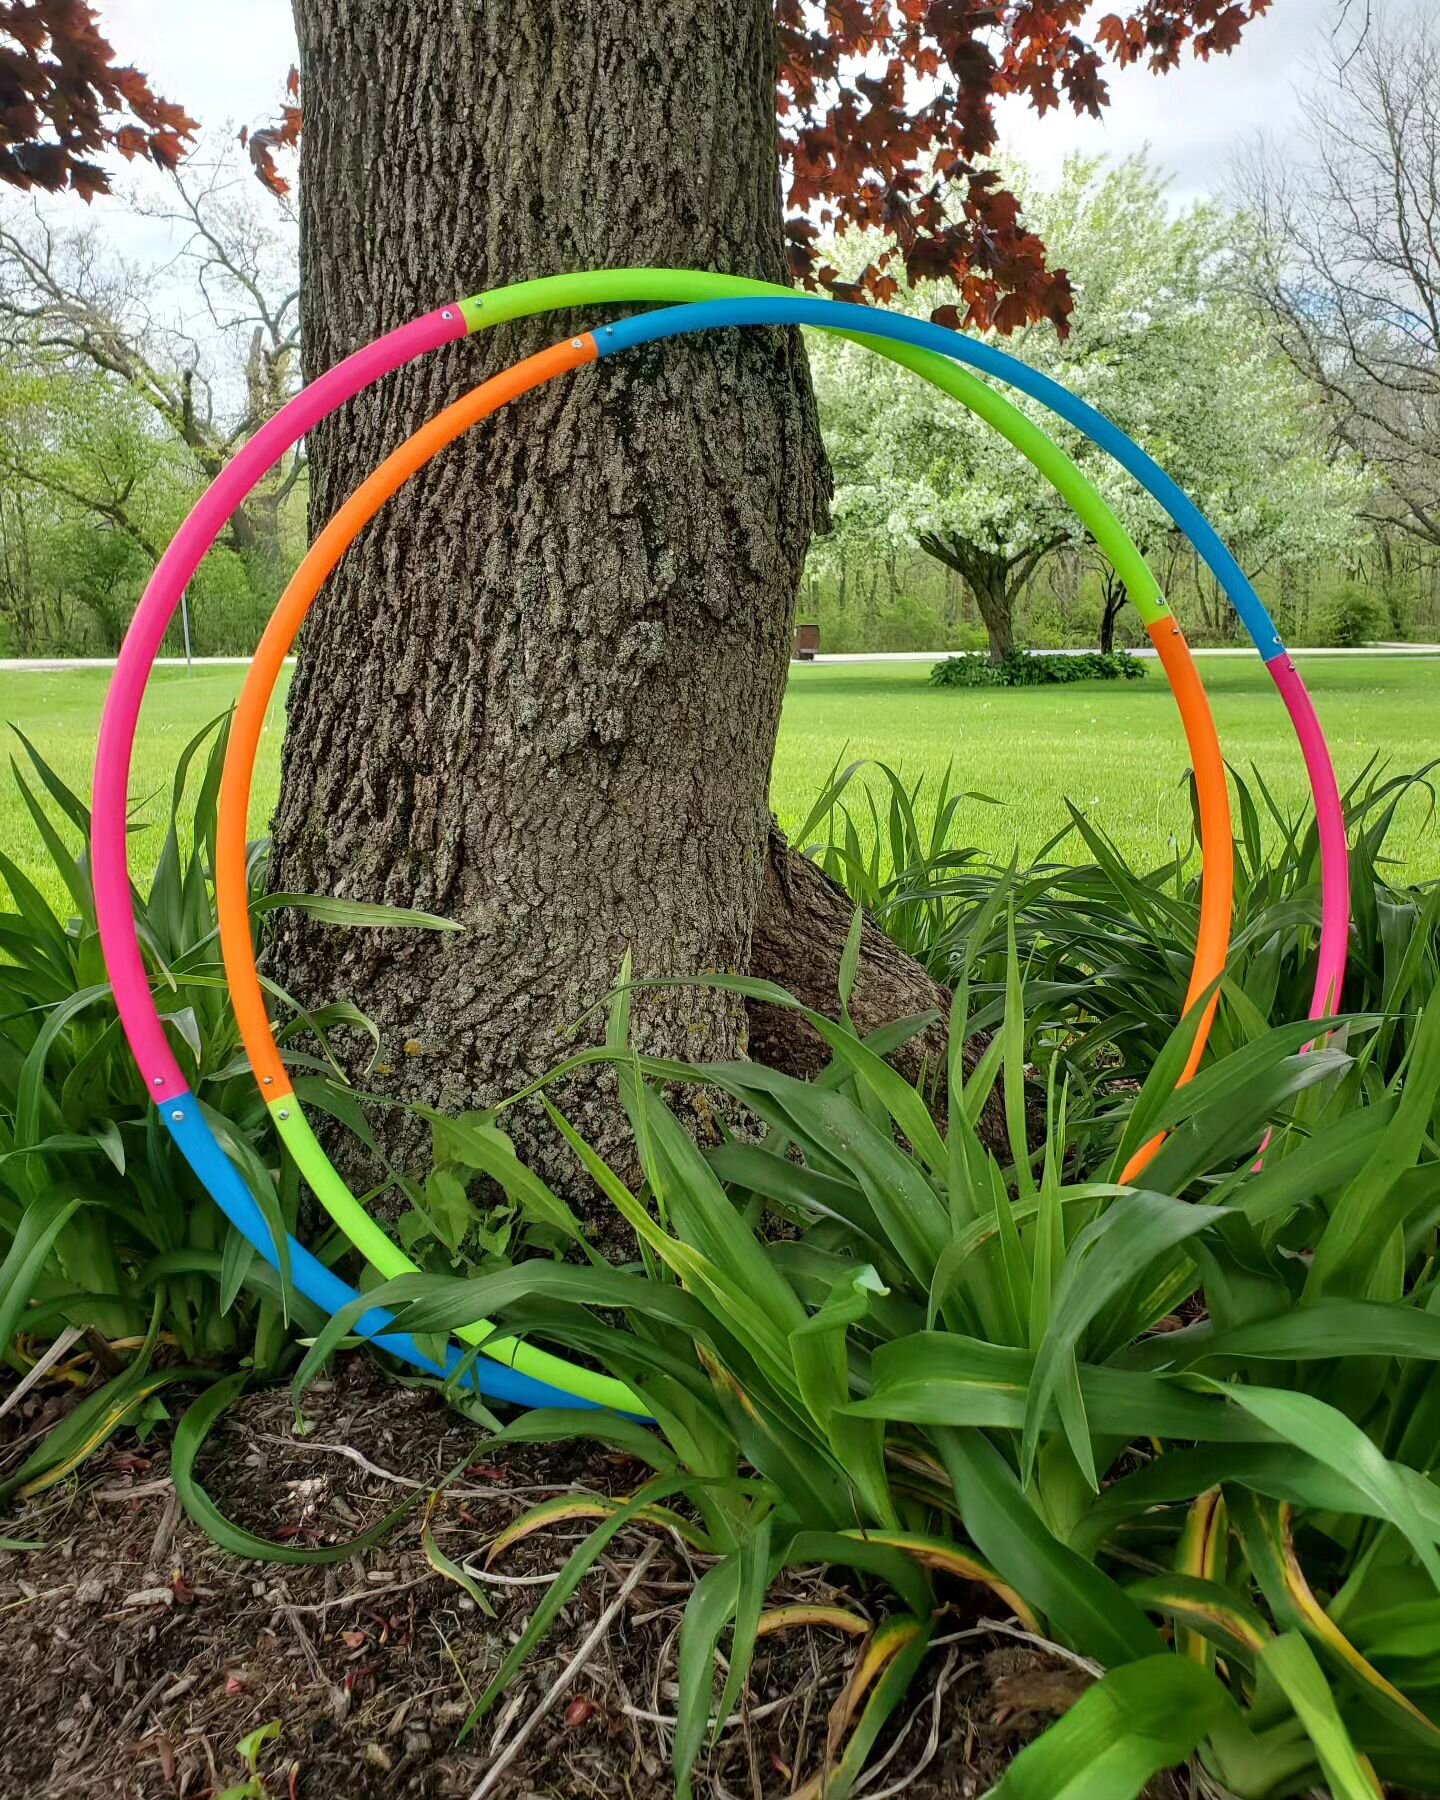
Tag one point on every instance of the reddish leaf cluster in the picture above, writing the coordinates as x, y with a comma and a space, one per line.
887, 117
64, 101
284, 134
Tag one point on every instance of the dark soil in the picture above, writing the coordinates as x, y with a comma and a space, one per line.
137, 1655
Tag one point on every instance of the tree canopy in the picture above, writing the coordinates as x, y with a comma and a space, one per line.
886, 122
887, 115
64, 101
1163, 343
1347, 263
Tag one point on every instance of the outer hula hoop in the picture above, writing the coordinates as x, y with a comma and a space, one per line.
231, 859
119, 940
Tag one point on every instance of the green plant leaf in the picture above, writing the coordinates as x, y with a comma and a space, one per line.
1291, 1662
1141, 1719
40, 1224
1147, 1225
1085, 1605
190, 1435
1324, 1433
354, 912
707, 1612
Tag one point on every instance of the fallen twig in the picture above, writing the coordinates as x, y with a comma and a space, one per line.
735, 1718
566, 1675
70, 1335
1040, 1643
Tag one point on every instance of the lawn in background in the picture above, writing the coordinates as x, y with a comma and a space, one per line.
1115, 749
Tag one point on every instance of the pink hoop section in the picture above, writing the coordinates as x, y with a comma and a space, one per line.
1334, 851
111, 799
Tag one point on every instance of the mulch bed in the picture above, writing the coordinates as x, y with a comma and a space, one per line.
137, 1655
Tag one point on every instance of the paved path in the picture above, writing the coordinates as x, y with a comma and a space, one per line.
909, 656
56, 665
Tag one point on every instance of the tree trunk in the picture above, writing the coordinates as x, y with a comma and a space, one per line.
1113, 596
800, 933
991, 578
541, 694
996, 602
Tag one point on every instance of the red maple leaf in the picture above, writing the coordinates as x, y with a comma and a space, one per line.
904, 148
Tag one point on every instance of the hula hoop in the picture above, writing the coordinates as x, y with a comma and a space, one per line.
139, 1016
603, 287
381, 485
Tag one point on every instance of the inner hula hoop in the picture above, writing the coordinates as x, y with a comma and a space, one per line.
231, 855
134, 1001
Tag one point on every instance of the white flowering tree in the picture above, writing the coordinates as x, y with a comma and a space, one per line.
1161, 341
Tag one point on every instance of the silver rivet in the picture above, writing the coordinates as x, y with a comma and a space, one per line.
609, 331
284, 1112
159, 1081
576, 344
177, 1115
269, 1079
447, 314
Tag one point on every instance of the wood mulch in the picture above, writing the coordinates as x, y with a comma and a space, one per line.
137, 1655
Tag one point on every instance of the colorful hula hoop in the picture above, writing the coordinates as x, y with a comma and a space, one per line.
231, 860
521, 1373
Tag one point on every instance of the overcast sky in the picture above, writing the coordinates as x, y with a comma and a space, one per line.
1195, 118
226, 60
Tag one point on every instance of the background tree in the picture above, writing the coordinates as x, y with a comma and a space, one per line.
91, 489
913, 468
1163, 341
124, 388
209, 344
1348, 262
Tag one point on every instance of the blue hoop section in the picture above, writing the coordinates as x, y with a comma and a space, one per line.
200, 1148
836, 315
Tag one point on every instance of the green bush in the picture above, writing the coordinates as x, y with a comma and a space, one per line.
1107, 944
1184, 1427
1351, 617
1036, 669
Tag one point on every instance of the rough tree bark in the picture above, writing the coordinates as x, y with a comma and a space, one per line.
995, 599
800, 931
541, 694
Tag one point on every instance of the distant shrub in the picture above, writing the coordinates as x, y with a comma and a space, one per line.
1026, 669
1350, 617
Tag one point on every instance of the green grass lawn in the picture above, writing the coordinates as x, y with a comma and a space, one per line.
1116, 750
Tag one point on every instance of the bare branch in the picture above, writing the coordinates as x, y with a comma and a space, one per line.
1348, 271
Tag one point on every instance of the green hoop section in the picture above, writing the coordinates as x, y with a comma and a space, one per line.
524, 300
